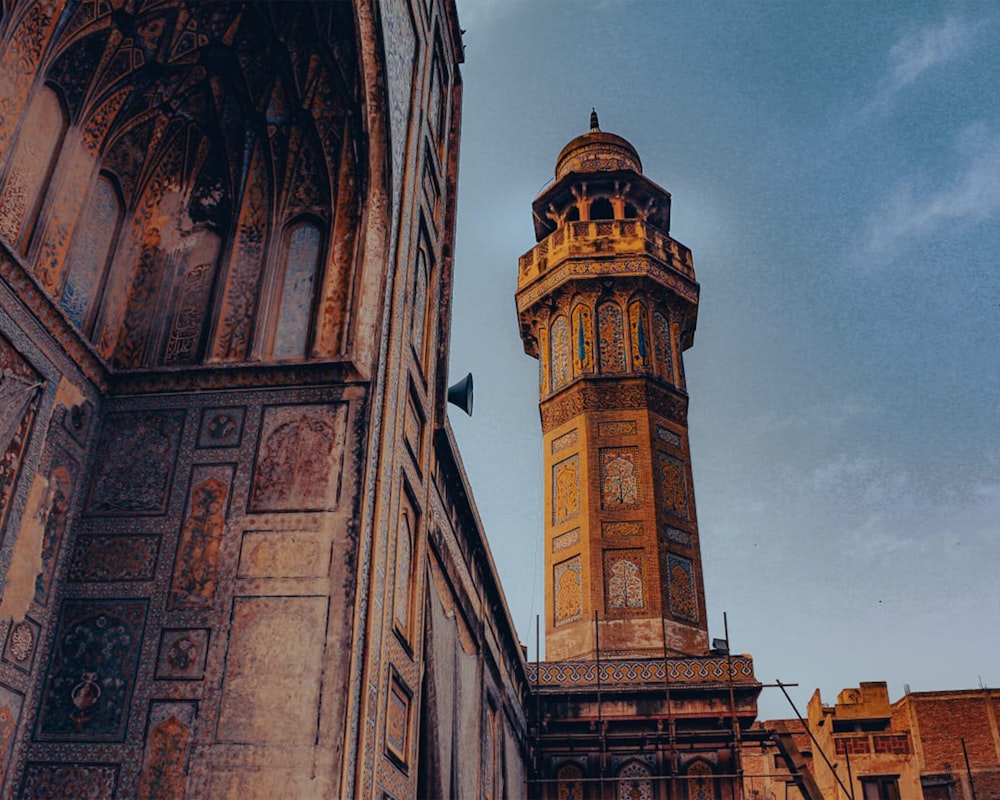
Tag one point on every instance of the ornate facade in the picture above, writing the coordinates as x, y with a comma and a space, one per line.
607, 302
238, 550
238, 554
631, 702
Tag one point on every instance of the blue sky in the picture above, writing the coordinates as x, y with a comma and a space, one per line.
835, 169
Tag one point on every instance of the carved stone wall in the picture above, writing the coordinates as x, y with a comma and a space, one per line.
224, 302
179, 588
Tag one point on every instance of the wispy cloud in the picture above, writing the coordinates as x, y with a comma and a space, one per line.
919, 50
478, 14
911, 212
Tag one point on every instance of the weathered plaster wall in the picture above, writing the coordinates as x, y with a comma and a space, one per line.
228, 496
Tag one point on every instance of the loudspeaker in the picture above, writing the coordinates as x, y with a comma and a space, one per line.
460, 394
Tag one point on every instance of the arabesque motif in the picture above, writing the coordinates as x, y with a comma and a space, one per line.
619, 479
623, 579
567, 583
566, 490
196, 570
561, 371
673, 485
683, 599
612, 338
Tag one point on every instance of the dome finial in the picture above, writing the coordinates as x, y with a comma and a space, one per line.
593, 120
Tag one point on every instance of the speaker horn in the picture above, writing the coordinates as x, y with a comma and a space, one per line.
460, 394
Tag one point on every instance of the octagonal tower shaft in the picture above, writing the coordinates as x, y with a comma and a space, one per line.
607, 301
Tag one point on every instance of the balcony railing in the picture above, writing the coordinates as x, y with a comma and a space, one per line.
605, 237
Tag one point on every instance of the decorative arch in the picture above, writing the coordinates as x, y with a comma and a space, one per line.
294, 285
90, 253
635, 781
560, 349
221, 126
639, 336
583, 340
27, 31
601, 208
700, 783
662, 347
30, 166
544, 386
420, 333
611, 337
401, 605
570, 782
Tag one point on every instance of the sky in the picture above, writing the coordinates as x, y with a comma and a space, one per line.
835, 169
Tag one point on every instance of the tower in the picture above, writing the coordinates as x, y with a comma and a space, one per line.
607, 302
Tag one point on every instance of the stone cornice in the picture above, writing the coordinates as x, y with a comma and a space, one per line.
590, 267
233, 376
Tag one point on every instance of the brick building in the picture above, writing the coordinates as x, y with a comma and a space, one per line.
932, 745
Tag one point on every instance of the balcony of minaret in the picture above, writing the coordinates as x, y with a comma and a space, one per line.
604, 237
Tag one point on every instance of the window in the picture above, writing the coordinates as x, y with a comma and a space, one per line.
491, 753
639, 336
635, 782
90, 253
601, 208
292, 322
583, 340
420, 332
31, 166
404, 560
881, 788
663, 347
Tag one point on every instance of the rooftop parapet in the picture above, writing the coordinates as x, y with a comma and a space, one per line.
633, 673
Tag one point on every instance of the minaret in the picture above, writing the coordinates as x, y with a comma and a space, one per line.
607, 303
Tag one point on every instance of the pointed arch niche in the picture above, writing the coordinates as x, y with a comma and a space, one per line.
700, 783
635, 782
90, 253
30, 166
611, 337
294, 290
220, 222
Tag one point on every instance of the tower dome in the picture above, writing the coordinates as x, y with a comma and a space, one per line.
599, 177
597, 151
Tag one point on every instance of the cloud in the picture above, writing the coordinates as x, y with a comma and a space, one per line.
920, 50
478, 14
911, 212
